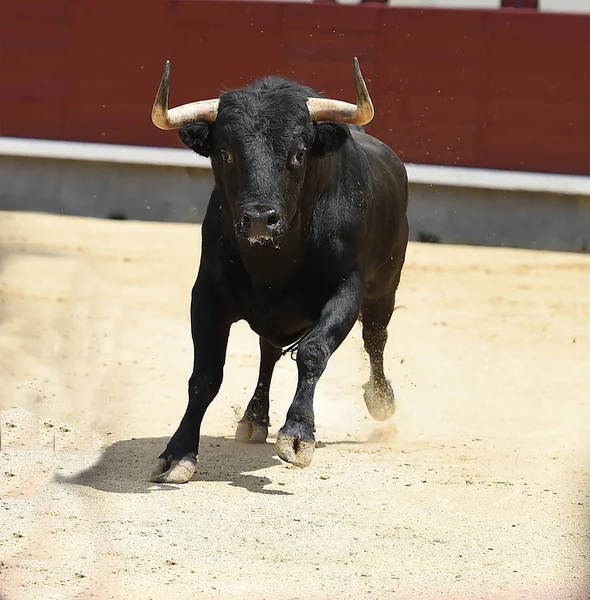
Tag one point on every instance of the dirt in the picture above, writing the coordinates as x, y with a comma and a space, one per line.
477, 488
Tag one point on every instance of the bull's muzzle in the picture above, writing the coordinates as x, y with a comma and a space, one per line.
259, 225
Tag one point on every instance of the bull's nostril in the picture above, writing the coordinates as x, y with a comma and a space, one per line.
246, 222
272, 221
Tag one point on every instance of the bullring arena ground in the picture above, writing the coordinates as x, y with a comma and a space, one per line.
478, 488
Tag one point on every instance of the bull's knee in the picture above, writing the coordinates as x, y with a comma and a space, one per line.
312, 358
205, 387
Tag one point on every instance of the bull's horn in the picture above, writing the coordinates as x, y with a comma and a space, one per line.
205, 110
361, 113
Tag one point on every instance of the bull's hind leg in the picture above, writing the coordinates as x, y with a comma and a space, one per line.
379, 396
253, 426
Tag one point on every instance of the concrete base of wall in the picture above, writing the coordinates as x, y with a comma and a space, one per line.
105, 190
488, 217
446, 206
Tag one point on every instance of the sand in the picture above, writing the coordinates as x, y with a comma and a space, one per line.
479, 487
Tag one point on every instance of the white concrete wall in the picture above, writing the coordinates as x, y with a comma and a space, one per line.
565, 6
447, 204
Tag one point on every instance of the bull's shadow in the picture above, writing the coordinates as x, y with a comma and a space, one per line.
125, 466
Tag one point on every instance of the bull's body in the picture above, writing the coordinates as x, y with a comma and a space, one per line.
357, 223
338, 257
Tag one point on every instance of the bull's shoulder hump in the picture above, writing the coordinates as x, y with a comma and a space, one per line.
378, 154
374, 146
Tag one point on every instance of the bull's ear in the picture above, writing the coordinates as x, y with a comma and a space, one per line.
197, 137
329, 137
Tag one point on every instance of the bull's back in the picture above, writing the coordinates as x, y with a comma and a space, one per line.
386, 193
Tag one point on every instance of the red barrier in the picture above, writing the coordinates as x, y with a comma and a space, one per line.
499, 89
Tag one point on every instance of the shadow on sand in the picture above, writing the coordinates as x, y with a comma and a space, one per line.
124, 466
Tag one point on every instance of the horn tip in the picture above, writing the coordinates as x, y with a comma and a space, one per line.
166, 72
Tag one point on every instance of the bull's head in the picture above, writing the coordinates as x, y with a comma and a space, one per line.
262, 141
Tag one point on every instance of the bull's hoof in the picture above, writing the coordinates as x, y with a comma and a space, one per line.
247, 431
295, 447
259, 434
380, 400
174, 471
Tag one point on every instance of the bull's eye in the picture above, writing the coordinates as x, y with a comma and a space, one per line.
298, 157
225, 156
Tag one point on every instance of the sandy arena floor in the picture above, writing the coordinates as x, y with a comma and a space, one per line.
478, 488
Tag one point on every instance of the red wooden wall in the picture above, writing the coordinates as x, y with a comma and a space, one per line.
499, 89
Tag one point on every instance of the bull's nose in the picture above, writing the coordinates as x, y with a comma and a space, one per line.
256, 223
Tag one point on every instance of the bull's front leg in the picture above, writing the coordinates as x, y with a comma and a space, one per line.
253, 426
296, 440
210, 325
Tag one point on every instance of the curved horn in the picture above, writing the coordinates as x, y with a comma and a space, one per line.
361, 113
205, 110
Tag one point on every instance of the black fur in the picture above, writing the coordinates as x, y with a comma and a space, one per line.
341, 197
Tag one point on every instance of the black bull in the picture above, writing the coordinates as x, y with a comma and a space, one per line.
305, 232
